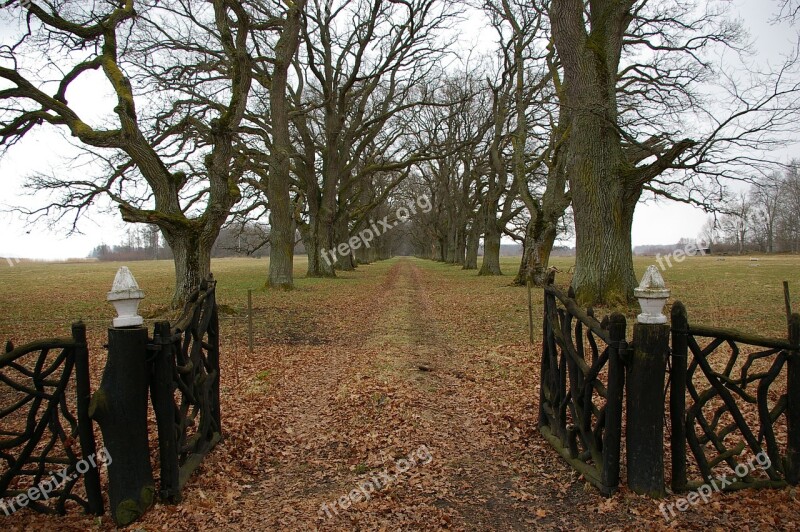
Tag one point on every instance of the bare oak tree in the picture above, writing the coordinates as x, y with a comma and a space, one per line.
631, 71
177, 155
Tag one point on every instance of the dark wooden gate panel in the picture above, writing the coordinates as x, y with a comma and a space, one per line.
733, 401
46, 437
185, 389
580, 403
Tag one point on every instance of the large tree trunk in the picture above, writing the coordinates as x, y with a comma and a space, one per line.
540, 235
604, 187
281, 251
346, 262
281, 239
603, 213
473, 243
455, 246
192, 257
310, 243
452, 243
319, 264
441, 249
461, 247
491, 250
363, 255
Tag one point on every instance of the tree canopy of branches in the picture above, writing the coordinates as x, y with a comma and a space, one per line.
181, 76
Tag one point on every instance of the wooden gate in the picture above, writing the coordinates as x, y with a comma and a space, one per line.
735, 404
580, 398
185, 389
46, 435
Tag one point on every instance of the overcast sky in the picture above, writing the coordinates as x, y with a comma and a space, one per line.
661, 223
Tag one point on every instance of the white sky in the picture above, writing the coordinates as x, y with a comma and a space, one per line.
662, 223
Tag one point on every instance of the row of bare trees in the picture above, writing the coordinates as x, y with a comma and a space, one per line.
327, 115
246, 107
587, 111
765, 218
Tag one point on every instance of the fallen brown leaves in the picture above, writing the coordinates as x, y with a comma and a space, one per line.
353, 374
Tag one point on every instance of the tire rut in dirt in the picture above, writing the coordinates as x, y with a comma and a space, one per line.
480, 481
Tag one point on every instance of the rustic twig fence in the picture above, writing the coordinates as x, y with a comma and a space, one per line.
580, 409
731, 401
45, 425
178, 369
726, 406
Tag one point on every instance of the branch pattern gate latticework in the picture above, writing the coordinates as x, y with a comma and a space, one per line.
729, 406
185, 388
46, 431
44, 409
580, 403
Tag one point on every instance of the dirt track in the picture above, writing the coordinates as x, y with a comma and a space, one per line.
342, 388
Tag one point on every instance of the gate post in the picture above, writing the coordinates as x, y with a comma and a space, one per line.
612, 436
677, 395
162, 390
793, 405
85, 429
120, 406
645, 381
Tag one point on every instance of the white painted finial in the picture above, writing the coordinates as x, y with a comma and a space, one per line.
125, 295
652, 295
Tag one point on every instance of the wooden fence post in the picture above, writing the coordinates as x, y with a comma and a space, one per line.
645, 409
793, 405
545, 372
529, 286
677, 395
162, 390
120, 408
250, 321
644, 431
612, 436
91, 478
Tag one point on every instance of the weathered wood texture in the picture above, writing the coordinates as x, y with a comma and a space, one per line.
42, 426
579, 414
644, 429
119, 406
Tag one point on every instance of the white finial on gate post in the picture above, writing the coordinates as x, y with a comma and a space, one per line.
125, 295
652, 295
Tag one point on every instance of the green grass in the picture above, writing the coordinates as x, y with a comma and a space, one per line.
41, 299
719, 291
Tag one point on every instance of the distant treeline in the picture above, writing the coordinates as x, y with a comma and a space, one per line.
145, 243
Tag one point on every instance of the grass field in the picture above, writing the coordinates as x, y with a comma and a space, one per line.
352, 373
43, 298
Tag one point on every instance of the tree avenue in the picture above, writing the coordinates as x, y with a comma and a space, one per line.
302, 123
